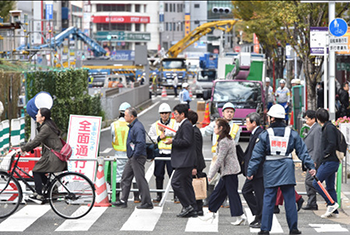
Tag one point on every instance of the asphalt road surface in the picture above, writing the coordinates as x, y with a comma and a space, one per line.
35, 219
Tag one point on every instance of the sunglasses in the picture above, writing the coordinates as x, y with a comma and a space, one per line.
163, 113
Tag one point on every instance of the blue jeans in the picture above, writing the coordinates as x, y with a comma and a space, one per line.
289, 204
326, 172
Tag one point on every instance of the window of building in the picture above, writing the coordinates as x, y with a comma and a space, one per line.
171, 7
114, 27
182, 26
174, 7
196, 5
166, 26
145, 8
113, 7
170, 26
166, 7
137, 8
178, 26
137, 27
174, 27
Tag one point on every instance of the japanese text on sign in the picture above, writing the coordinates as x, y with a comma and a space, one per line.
338, 40
84, 136
338, 47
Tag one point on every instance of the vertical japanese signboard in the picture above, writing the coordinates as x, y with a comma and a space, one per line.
84, 137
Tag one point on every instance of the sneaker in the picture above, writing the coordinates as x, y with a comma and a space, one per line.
330, 210
39, 199
208, 216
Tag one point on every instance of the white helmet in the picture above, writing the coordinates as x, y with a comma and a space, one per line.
267, 79
124, 106
295, 81
228, 105
283, 81
154, 73
185, 85
164, 108
277, 111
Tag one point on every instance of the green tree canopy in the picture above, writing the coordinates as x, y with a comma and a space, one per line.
5, 8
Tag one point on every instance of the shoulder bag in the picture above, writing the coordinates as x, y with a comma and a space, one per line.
65, 153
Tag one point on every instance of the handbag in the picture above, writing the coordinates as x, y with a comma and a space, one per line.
65, 153
151, 149
200, 188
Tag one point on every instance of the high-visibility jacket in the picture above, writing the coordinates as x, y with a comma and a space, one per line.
121, 131
161, 144
233, 133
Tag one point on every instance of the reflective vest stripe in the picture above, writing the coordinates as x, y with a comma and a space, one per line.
233, 133
121, 131
161, 145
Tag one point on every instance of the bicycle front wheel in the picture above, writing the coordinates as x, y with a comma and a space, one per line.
10, 194
72, 195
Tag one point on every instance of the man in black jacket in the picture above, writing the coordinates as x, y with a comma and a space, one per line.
344, 100
183, 157
253, 190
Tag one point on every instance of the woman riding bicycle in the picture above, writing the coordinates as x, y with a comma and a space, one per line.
48, 136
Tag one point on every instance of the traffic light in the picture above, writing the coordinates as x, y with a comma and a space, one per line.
221, 10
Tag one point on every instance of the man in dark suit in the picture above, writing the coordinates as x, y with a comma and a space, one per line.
183, 156
313, 144
253, 190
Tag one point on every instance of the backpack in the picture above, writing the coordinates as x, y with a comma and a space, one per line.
341, 145
240, 157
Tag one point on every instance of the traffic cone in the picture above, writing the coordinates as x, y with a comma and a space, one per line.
101, 186
164, 92
291, 118
190, 92
206, 119
172, 116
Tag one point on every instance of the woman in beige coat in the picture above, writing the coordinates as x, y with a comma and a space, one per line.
48, 135
228, 165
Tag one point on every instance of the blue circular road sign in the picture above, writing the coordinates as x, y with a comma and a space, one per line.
338, 27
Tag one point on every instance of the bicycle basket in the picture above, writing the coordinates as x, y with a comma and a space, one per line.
6, 161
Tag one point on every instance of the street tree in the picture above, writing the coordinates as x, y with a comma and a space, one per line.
5, 8
278, 23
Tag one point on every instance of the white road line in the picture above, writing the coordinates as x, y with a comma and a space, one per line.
143, 220
107, 150
22, 219
276, 227
146, 110
82, 224
324, 228
250, 218
198, 225
149, 172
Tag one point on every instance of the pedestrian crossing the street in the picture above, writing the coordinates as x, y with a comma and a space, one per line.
147, 220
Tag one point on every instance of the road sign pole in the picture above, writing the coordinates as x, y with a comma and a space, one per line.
331, 10
325, 75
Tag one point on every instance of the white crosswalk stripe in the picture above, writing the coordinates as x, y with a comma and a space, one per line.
145, 220
83, 224
23, 218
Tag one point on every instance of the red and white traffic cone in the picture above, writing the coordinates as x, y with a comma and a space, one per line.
190, 92
101, 186
164, 92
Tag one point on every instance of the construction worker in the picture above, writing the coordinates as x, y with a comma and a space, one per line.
184, 95
283, 97
154, 83
119, 131
175, 83
228, 112
159, 135
269, 95
275, 147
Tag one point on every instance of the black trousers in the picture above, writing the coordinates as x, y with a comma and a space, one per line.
159, 167
39, 179
228, 185
182, 186
253, 193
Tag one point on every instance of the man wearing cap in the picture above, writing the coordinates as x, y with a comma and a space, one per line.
275, 147
283, 97
270, 99
119, 132
175, 83
160, 134
228, 112
185, 95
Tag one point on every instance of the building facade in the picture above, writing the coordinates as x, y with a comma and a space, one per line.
121, 25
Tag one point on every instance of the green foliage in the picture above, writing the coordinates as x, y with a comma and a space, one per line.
5, 7
69, 89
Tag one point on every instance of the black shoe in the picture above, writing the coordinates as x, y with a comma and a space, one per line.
276, 210
193, 214
145, 206
300, 203
185, 211
157, 199
264, 232
254, 221
120, 204
137, 199
295, 231
200, 213
257, 224
308, 207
